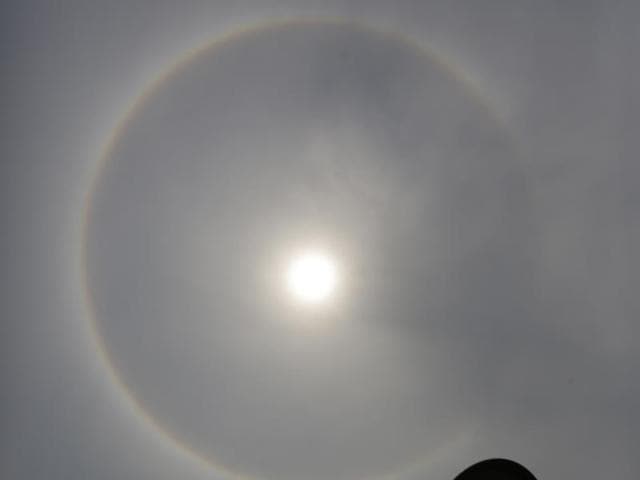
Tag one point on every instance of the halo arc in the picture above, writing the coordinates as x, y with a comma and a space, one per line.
101, 349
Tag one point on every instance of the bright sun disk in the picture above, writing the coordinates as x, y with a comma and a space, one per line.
312, 277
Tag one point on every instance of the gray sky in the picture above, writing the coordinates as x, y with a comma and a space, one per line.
486, 214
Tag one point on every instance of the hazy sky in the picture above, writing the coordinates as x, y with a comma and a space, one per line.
481, 196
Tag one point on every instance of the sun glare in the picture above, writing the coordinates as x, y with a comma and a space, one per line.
312, 277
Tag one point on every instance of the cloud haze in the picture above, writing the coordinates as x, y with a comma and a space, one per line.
488, 236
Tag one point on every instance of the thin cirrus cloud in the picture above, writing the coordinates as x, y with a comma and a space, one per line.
489, 304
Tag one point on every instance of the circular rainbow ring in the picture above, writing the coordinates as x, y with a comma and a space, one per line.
190, 56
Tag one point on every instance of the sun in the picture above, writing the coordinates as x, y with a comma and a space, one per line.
312, 276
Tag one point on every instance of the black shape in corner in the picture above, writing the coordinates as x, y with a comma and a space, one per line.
496, 469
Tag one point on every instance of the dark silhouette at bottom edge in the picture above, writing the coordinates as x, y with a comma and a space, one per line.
496, 469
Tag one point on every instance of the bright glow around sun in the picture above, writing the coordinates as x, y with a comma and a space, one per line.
312, 277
